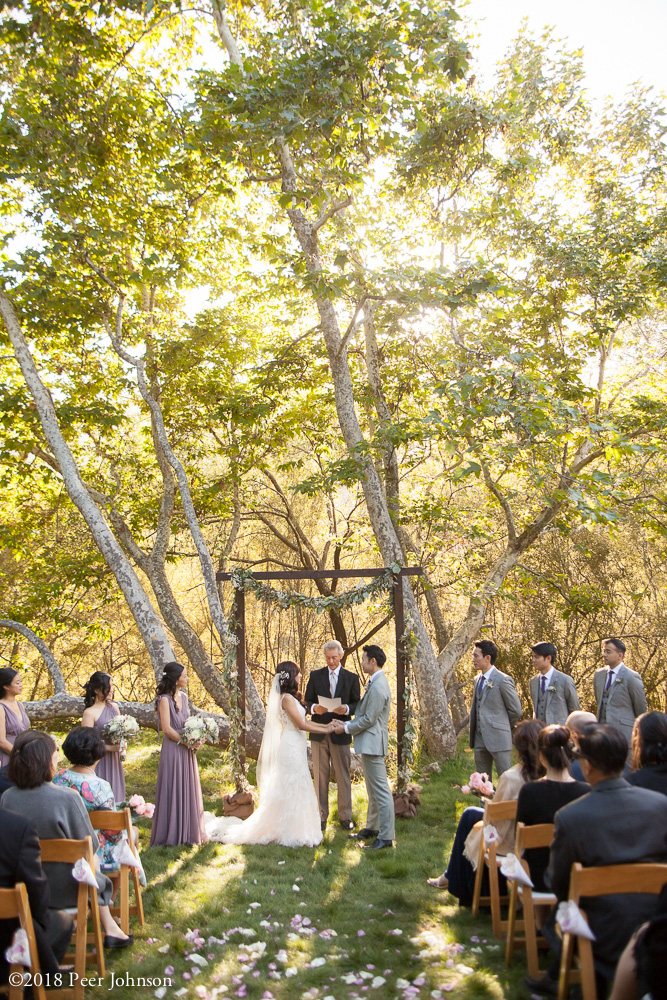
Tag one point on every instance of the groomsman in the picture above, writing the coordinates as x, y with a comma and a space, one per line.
552, 692
370, 729
495, 711
332, 681
619, 691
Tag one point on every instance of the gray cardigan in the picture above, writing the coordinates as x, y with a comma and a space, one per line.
59, 814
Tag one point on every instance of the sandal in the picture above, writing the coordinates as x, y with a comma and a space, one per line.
441, 882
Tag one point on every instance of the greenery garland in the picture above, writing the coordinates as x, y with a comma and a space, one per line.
243, 579
408, 641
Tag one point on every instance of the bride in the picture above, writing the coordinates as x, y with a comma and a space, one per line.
288, 812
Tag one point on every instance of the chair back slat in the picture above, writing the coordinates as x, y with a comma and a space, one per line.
66, 851
608, 879
495, 811
107, 819
9, 907
530, 837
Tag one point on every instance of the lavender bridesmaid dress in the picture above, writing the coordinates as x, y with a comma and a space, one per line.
179, 807
111, 766
13, 727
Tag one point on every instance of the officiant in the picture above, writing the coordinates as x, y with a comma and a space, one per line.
332, 693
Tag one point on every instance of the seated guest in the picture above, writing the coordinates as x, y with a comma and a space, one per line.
459, 879
84, 747
20, 861
539, 801
56, 814
5, 783
614, 824
649, 752
641, 971
576, 723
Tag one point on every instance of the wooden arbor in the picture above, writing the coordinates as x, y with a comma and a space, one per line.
328, 574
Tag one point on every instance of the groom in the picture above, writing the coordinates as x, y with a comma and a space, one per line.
370, 729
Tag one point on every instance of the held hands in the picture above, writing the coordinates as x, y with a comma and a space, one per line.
337, 727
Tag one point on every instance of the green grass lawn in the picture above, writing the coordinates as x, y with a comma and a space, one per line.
333, 922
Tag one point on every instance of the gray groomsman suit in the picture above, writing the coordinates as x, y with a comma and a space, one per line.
495, 711
622, 701
370, 729
554, 700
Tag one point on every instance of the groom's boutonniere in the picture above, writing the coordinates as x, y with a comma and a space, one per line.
552, 687
619, 680
489, 684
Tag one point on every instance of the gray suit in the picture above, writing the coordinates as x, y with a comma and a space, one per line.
614, 824
560, 698
492, 719
370, 729
624, 701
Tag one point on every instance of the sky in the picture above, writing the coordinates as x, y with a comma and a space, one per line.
622, 42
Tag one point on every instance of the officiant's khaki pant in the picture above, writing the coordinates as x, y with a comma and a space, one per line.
324, 754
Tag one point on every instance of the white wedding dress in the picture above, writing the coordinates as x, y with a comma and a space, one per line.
288, 812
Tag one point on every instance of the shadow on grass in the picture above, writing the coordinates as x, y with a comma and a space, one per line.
388, 923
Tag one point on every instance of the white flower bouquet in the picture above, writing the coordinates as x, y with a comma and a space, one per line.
119, 730
198, 729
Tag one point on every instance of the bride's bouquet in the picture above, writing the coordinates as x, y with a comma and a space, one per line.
198, 729
119, 730
479, 784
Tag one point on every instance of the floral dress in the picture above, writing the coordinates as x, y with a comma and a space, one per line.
96, 793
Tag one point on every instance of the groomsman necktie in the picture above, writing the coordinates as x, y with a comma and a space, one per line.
610, 675
482, 682
543, 684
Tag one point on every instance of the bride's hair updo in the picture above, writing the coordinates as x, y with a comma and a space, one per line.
167, 683
287, 672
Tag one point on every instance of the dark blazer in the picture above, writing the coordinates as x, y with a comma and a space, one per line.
654, 776
614, 824
21, 861
347, 689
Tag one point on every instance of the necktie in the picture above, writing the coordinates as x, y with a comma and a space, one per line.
610, 675
482, 682
332, 684
543, 684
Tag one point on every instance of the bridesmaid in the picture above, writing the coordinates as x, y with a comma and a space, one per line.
179, 808
13, 718
100, 709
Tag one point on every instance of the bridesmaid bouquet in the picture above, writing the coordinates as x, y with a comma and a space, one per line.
140, 807
479, 784
119, 730
197, 729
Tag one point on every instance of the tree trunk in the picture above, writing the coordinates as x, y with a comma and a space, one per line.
434, 714
151, 628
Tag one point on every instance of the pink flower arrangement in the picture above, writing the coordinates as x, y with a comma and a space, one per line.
140, 807
478, 784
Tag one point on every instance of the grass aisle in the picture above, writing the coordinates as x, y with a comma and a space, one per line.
334, 922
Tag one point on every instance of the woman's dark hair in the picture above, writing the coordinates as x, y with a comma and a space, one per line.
167, 683
525, 740
84, 746
649, 740
554, 744
7, 675
99, 681
288, 684
30, 759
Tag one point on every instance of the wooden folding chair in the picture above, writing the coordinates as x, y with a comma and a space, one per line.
602, 881
68, 852
105, 819
494, 812
527, 837
14, 905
